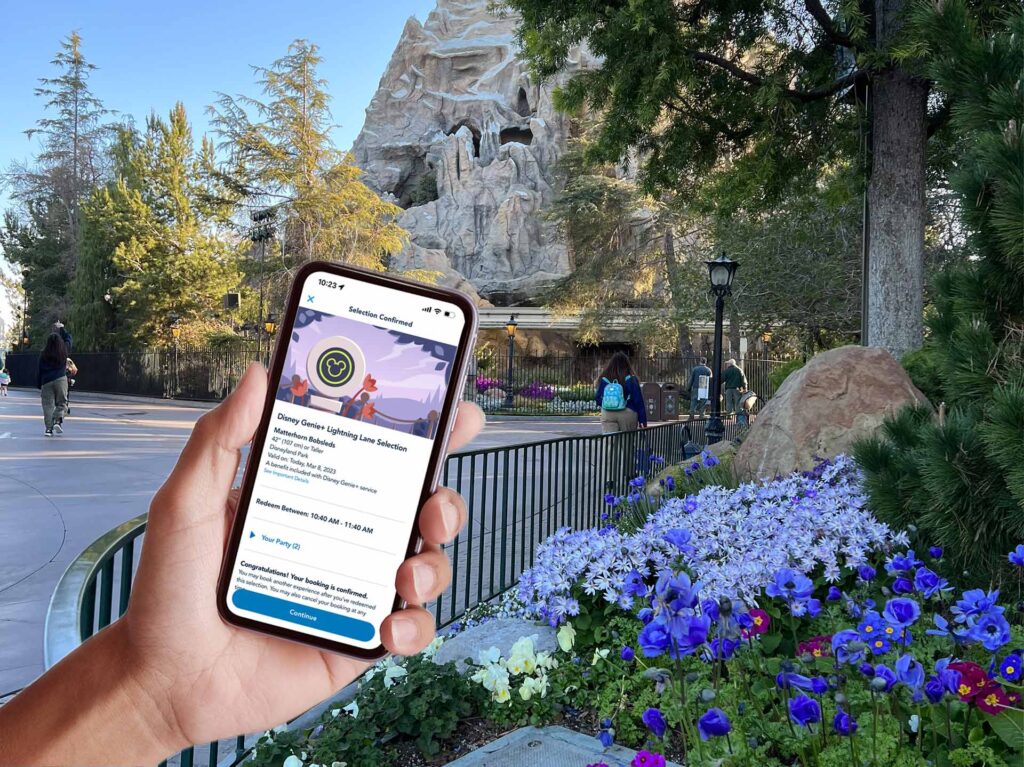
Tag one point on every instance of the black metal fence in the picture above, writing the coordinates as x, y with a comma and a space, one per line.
539, 385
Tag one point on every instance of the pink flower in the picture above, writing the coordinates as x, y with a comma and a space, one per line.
760, 621
647, 759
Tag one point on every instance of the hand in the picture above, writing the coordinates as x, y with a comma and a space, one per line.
182, 675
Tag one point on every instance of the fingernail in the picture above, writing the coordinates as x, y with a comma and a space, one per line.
450, 516
405, 632
423, 579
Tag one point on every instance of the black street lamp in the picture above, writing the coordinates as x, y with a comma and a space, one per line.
263, 228
721, 271
510, 328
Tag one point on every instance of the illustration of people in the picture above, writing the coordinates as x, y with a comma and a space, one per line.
424, 427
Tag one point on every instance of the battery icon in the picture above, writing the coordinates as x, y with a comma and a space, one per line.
447, 314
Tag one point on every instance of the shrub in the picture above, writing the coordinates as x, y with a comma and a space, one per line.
782, 372
923, 370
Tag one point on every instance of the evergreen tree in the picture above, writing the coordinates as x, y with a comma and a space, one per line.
155, 242
961, 480
282, 154
752, 101
49, 191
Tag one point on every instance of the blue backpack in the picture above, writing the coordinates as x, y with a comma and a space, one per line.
614, 397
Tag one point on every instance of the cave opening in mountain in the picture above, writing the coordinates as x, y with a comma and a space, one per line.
523, 103
472, 129
515, 134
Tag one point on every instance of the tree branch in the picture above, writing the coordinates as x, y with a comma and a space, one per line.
820, 15
749, 77
939, 118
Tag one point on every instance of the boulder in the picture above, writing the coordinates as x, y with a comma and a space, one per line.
837, 398
501, 633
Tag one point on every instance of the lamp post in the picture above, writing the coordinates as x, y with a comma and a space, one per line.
510, 328
175, 335
721, 272
270, 326
263, 226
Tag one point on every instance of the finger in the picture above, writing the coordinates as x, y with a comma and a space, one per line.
469, 420
206, 468
407, 631
422, 577
442, 516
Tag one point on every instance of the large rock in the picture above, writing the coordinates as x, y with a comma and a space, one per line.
457, 118
837, 398
501, 633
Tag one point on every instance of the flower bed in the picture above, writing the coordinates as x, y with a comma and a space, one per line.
771, 624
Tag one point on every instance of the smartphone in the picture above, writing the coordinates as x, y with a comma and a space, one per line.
364, 384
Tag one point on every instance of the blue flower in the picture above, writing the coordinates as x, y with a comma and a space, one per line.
606, 737
935, 552
637, 482
1010, 668
902, 586
789, 679
611, 499
928, 582
934, 690
634, 585
991, 630
903, 563
713, 724
880, 645
819, 685
884, 679
690, 505
688, 635
657, 459
872, 626
646, 615
804, 711
654, 639
670, 483
834, 594
709, 607
655, 722
901, 613
628, 653
866, 572
790, 585
975, 602
910, 672
1016, 556
723, 648
844, 724
847, 646
680, 538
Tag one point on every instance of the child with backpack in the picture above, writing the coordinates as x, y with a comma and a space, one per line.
619, 397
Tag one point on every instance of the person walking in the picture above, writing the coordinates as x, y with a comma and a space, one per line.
65, 336
5, 381
700, 385
619, 397
734, 381
52, 380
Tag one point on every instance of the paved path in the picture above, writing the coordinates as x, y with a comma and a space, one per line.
57, 495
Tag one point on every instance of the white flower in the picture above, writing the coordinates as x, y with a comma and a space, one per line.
393, 673
493, 655
501, 695
339, 764
335, 712
292, 761
353, 708
599, 655
566, 637
431, 649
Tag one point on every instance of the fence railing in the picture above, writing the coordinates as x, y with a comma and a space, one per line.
516, 496
539, 385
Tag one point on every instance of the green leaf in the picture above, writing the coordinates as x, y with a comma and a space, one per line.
1009, 726
770, 642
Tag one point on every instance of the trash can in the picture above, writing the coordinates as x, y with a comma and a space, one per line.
669, 402
652, 399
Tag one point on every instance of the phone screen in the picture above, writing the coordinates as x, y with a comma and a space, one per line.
344, 461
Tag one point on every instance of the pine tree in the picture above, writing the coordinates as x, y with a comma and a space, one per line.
282, 154
961, 481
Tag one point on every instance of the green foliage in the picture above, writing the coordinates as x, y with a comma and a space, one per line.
782, 372
424, 705
923, 370
425, 189
961, 481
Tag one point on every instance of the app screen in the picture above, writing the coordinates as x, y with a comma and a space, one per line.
345, 457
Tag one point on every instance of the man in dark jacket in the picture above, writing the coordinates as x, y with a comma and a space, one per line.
698, 402
734, 382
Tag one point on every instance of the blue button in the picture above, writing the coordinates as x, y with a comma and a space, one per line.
303, 615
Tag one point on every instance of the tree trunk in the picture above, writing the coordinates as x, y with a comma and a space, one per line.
676, 292
896, 200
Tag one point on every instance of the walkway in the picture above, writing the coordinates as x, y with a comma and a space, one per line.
57, 495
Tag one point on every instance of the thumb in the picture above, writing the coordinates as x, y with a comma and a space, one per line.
202, 477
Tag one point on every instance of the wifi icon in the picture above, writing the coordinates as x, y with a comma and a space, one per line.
437, 311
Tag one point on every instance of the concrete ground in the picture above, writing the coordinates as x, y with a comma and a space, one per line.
57, 495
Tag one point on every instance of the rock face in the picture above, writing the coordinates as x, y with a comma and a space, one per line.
501, 633
838, 397
461, 137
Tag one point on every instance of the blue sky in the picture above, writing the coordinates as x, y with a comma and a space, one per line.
151, 55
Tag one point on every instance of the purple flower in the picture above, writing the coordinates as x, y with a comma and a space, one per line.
804, 711
606, 737
655, 722
866, 572
844, 724
692, 633
834, 594
634, 585
884, 679
690, 505
847, 646
670, 483
935, 552
901, 613
1016, 556
628, 653
611, 499
637, 482
723, 648
713, 724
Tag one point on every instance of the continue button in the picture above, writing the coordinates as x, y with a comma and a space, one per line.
303, 615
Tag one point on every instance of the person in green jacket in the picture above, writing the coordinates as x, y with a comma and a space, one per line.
735, 383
